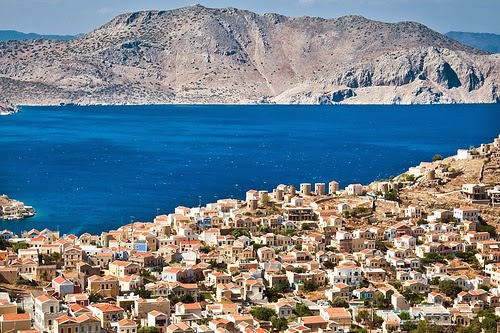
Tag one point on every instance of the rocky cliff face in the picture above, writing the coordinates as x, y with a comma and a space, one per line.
200, 55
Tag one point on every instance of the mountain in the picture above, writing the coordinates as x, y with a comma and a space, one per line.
482, 41
200, 55
6, 35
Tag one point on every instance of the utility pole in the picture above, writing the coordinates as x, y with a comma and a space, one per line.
132, 235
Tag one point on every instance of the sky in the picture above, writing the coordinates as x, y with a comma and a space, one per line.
79, 16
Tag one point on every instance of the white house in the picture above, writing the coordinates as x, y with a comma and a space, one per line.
354, 189
348, 274
46, 312
466, 213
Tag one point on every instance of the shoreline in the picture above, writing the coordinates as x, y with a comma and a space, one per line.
370, 189
12, 209
247, 104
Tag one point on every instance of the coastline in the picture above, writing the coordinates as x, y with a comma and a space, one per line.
7, 108
242, 103
12, 209
370, 189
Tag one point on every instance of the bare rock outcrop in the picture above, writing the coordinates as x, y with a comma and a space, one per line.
200, 55
7, 107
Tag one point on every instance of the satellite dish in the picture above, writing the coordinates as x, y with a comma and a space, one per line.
132, 294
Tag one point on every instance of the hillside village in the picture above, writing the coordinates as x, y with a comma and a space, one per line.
417, 252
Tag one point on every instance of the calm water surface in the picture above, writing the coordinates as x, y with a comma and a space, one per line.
92, 168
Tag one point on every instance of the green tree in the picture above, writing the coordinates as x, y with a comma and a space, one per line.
95, 298
282, 287
279, 323
425, 327
302, 311
397, 284
380, 301
328, 264
20, 309
412, 297
4, 244
432, 258
392, 195
449, 288
435, 281
263, 313
339, 302
305, 226
405, 315
484, 287
437, 157
17, 246
468, 257
408, 326
149, 329
143, 293
275, 293
377, 321
380, 245
186, 298
310, 286
238, 232
362, 316
298, 269
265, 200
488, 228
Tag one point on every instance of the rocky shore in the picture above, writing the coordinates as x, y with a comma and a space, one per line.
7, 108
11, 209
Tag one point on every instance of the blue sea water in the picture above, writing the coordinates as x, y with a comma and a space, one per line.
92, 168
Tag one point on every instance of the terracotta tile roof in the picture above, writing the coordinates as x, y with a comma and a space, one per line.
127, 322
313, 320
15, 316
44, 298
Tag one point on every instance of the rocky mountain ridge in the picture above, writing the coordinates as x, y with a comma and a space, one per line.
482, 41
200, 55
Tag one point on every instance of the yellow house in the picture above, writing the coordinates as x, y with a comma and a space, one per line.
106, 286
107, 314
121, 269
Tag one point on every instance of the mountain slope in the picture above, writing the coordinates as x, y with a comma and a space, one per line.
6, 35
482, 41
200, 55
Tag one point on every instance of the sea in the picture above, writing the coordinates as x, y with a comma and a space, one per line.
94, 168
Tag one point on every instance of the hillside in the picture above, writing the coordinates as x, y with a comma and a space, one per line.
482, 41
200, 55
6, 35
